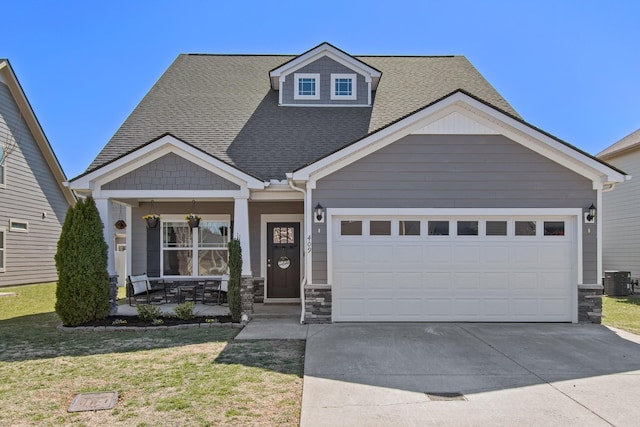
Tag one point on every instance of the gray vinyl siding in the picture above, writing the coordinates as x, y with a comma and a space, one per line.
262, 208
454, 171
31, 190
325, 67
170, 172
139, 235
621, 218
139, 227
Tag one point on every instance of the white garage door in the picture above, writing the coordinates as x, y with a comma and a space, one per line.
490, 269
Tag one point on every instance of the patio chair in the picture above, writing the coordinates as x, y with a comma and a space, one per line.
211, 292
141, 289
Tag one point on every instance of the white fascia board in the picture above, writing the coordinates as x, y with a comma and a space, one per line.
153, 151
464, 104
314, 54
279, 195
200, 195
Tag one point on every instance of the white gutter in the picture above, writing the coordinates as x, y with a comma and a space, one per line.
303, 282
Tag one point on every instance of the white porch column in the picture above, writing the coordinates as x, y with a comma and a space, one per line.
241, 230
104, 208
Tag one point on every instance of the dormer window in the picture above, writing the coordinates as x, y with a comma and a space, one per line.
307, 86
343, 86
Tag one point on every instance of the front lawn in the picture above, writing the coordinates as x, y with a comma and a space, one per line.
622, 313
191, 377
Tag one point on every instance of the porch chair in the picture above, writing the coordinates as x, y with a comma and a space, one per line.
141, 289
211, 292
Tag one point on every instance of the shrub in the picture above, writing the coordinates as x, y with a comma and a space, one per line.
148, 312
184, 311
82, 293
235, 276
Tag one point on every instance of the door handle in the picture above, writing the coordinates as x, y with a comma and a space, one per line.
268, 263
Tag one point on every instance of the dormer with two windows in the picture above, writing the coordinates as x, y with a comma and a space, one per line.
325, 76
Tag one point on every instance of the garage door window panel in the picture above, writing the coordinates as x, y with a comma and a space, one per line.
438, 228
350, 228
379, 228
408, 228
554, 228
525, 228
496, 228
467, 228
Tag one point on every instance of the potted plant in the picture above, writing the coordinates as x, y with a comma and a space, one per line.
152, 220
120, 224
193, 220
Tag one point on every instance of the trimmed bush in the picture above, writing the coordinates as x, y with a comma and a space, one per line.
184, 311
148, 312
235, 276
82, 293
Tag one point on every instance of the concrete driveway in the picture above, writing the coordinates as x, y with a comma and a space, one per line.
470, 374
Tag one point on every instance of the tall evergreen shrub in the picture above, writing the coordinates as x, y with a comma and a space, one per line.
82, 293
235, 276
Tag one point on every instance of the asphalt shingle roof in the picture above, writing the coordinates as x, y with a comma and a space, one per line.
628, 142
224, 105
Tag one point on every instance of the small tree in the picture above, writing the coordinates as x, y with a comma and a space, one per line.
81, 260
235, 276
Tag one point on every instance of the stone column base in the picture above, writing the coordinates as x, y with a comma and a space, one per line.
590, 303
317, 304
246, 296
113, 295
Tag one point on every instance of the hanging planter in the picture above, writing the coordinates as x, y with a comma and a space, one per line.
193, 220
152, 220
120, 225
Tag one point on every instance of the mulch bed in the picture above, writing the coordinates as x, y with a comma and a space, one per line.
166, 321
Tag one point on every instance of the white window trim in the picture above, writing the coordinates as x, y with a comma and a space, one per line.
296, 79
3, 249
18, 229
194, 247
354, 87
3, 174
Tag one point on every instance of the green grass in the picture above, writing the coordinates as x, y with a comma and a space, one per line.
191, 377
622, 313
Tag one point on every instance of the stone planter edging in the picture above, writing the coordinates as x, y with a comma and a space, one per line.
63, 328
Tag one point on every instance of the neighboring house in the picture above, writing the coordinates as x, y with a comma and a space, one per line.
33, 200
365, 188
621, 209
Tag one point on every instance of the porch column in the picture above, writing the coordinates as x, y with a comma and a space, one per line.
104, 208
241, 230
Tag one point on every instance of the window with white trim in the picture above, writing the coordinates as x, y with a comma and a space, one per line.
2, 169
343, 86
198, 251
17, 225
307, 86
2, 249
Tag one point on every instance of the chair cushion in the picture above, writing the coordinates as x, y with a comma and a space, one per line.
140, 284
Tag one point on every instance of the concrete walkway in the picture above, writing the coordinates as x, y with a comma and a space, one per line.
470, 374
278, 328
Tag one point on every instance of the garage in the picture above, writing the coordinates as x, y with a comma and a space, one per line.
489, 268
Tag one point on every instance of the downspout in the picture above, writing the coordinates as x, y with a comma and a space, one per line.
303, 282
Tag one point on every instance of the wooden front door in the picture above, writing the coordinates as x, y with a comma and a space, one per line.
283, 260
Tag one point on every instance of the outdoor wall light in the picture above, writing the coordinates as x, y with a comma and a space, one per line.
591, 215
318, 214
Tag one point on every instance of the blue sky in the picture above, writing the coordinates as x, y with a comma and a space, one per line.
570, 67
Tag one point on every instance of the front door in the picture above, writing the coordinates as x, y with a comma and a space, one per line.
283, 260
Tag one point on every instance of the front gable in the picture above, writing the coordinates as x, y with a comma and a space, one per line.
459, 114
166, 167
170, 172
